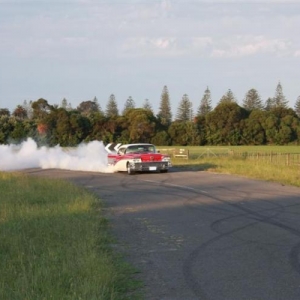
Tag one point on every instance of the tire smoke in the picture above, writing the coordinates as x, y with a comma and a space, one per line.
91, 156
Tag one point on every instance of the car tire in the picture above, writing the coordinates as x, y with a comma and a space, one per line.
129, 171
164, 171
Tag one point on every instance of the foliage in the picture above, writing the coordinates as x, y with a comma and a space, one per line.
228, 97
279, 99
226, 124
297, 106
86, 108
129, 104
184, 133
252, 100
165, 114
161, 138
141, 125
147, 105
112, 107
205, 105
185, 109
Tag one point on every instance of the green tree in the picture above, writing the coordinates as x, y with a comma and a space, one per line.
228, 98
20, 113
64, 103
161, 138
252, 100
205, 104
86, 108
277, 126
112, 107
28, 107
269, 104
279, 99
61, 132
129, 104
184, 133
5, 128
80, 128
297, 106
4, 112
98, 121
141, 125
147, 105
165, 114
253, 129
41, 108
185, 109
100, 110
201, 124
224, 124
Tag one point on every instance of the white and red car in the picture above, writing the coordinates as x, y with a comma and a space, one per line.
138, 158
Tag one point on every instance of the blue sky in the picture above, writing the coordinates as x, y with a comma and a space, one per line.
80, 49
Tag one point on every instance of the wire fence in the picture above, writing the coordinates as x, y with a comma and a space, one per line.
287, 159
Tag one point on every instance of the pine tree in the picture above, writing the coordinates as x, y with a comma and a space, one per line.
279, 99
147, 105
165, 113
269, 104
112, 107
228, 97
129, 104
185, 109
28, 108
252, 100
297, 106
205, 104
98, 105
64, 103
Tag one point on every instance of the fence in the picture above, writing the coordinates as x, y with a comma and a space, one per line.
176, 153
287, 159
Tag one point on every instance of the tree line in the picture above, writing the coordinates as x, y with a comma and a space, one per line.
253, 123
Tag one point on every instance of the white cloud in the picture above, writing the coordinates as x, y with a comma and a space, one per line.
150, 46
250, 45
297, 53
201, 42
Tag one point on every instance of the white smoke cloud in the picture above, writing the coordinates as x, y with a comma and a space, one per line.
86, 157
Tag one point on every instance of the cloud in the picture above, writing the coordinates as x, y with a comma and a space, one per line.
249, 45
92, 29
151, 46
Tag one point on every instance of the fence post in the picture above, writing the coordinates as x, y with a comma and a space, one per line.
271, 157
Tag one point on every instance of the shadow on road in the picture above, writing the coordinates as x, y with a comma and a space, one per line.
193, 167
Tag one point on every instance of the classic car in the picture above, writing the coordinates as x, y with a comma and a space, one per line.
138, 158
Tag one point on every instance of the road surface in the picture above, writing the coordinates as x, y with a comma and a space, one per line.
199, 235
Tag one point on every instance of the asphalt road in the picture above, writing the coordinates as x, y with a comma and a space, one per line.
199, 235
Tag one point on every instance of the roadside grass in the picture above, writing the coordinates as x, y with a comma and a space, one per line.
250, 149
289, 175
55, 244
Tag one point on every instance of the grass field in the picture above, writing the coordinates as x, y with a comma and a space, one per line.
289, 175
55, 244
199, 150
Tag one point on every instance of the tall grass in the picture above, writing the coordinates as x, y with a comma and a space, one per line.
54, 243
289, 175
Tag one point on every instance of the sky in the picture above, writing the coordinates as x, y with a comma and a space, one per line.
81, 49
